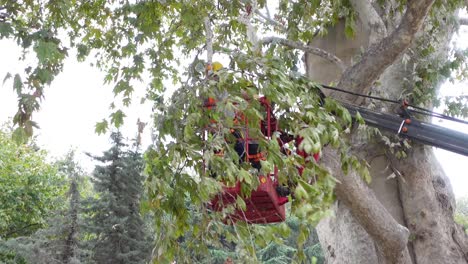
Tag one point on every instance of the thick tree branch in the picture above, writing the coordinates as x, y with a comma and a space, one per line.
390, 236
461, 240
368, 14
463, 21
251, 30
361, 76
209, 40
308, 49
16, 231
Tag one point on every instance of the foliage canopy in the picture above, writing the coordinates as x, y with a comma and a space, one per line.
29, 186
156, 41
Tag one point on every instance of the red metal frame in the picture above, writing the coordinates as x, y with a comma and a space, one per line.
263, 205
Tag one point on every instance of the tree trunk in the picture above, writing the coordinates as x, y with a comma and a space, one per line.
71, 242
414, 191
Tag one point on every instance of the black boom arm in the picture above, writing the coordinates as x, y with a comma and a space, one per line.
423, 132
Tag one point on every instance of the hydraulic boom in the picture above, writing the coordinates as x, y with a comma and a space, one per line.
423, 132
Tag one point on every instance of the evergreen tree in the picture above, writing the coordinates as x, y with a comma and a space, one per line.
117, 228
70, 248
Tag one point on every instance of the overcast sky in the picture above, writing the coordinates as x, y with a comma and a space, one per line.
77, 99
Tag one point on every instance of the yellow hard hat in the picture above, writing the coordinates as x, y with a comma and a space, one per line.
217, 66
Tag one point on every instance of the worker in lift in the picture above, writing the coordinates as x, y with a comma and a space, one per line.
268, 126
239, 134
254, 155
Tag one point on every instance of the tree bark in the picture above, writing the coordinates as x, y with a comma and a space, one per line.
418, 196
362, 75
428, 206
308, 49
389, 236
71, 242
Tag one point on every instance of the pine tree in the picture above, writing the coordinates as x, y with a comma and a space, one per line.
70, 249
114, 221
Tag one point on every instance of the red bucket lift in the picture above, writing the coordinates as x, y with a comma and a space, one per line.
263, 205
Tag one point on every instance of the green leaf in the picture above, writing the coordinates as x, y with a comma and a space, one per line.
307, 187
366, 175
300, 193
359, 118
101, 127
5, 29
245, 176
347, 116
17, 83
19, 135
47, 51
117, 118
350, 27
83, 52
122, 86
45, 75
188, 132
241, 203
199, 67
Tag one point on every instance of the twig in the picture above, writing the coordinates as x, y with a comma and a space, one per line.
393, 167
269, 20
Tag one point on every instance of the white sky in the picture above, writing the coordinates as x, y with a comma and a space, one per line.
77, 99
454, 164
